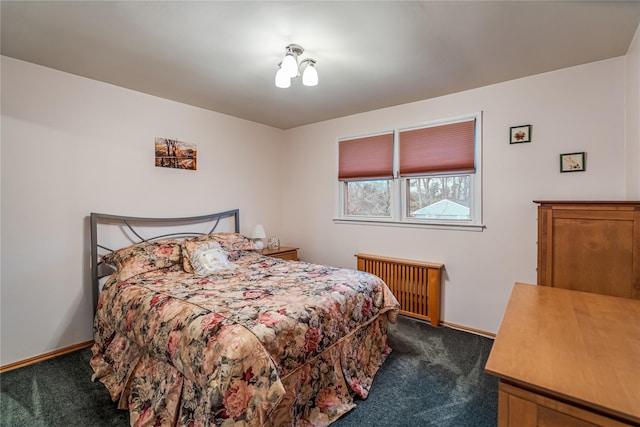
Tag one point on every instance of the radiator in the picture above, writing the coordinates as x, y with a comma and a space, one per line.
415, 284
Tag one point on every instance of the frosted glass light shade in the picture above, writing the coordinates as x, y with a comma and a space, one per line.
290, 66
310, 76
282, 80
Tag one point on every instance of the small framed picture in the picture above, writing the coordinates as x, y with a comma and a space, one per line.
572, 162
520, 134
171, 153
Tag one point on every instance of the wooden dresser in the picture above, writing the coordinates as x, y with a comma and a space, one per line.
591, 246
567, 359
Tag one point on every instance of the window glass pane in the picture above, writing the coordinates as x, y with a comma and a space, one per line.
439, 197
368, 198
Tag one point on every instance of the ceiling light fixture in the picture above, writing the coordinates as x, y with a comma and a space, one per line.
289, 68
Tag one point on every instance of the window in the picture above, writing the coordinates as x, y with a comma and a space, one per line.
366, 168
428, 175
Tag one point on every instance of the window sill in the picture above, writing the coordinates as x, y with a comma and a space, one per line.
411, 224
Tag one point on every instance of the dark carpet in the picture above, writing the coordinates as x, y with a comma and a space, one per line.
434, 377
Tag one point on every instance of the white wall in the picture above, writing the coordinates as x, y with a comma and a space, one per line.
571, 110
72, 146
633, 119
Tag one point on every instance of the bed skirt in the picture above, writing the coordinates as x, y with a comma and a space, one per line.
314, 394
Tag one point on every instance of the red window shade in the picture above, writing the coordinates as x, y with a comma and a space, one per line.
445, 148
367, 157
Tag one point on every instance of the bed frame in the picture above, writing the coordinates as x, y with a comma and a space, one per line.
133, 229
290, 386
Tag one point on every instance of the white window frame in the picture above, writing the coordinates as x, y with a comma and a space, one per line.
398, 194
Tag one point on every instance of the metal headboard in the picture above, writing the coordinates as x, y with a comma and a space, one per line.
131, 222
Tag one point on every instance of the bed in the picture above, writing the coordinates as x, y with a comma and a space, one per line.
198, 328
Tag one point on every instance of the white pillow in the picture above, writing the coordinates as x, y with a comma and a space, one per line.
209, 258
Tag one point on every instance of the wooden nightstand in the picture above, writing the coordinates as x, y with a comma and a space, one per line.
283, 252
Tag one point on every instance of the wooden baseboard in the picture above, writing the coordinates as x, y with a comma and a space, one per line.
45, 356
458, 327
472, 330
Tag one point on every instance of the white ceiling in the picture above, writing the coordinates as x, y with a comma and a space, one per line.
223, 56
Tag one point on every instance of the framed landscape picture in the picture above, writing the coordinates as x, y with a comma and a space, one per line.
171, 153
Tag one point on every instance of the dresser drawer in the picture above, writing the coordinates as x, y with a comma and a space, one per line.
283, 252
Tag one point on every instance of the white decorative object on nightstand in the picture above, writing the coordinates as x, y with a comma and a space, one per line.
257, 236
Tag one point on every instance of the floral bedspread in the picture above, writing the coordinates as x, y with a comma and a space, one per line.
270, 343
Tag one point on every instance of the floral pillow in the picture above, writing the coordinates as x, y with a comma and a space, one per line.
228, 241
204, 258
145, 256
